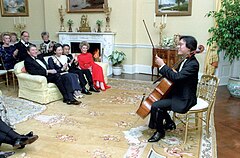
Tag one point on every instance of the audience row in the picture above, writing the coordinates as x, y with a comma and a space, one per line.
70, 73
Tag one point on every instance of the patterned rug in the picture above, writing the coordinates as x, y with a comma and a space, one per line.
105, 125
198, 144
19, 110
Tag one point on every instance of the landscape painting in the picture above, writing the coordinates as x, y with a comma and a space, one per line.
174, 7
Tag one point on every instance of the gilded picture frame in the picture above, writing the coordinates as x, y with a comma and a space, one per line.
174, 7
83, 6
13, 8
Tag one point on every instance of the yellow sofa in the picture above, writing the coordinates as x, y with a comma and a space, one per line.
36, 88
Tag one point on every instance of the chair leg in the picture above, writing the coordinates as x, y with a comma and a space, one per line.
13, 77
196, 120
174, 117
7, 79
207, 123
186, 130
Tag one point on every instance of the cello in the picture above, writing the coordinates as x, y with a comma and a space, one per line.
163, 87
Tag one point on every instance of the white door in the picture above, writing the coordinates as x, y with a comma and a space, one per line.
224, 70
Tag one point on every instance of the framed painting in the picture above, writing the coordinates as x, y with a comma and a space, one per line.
174, 7
14, 7
81, 6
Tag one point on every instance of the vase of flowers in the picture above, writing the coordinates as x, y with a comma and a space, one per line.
70, 23
99, 24
168, 42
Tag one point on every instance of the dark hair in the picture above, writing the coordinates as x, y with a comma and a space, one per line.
191, 42
56, 45
24, 32
44, 33
30, 46
65, 45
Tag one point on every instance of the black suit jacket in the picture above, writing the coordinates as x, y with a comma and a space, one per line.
185, 82
34, 68
22, 51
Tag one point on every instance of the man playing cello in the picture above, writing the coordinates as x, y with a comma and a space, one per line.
183, 95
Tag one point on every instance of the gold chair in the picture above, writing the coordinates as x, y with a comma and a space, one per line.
206, 96
11, 71
2, 73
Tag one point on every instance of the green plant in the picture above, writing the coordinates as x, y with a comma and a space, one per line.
70, 22
117, 57
99, 22
226, 34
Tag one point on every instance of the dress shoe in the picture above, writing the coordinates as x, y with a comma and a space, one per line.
156, 137
85, 91
65, 100
74, 102
94, 89
169, 126
4, 154
20, 142
30, 134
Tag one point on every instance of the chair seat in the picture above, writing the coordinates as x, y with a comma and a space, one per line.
3, 72
10, 70
201, 104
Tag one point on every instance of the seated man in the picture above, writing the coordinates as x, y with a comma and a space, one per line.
9, 136
73, 68
22, 46
38, 66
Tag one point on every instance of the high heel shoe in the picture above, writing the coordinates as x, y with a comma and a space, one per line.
170, 126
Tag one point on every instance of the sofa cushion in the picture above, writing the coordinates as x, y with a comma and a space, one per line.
51, 85
23, 70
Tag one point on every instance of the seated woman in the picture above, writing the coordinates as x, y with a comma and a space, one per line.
59, 63
73, 68
8, 53
46, 48
85, 61
13, 38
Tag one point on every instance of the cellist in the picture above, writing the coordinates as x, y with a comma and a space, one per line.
183, 94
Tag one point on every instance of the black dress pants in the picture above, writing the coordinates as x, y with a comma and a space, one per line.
159, 113
81, 77
64, 85
7, 134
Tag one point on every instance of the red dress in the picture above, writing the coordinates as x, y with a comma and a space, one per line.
85, 61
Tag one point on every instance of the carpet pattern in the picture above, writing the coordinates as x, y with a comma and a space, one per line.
105, 125
19, 110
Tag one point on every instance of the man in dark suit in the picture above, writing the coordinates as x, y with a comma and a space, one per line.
183, 95
22, 46
36, 65
9, 136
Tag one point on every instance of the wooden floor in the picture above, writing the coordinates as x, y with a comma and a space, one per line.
227, 119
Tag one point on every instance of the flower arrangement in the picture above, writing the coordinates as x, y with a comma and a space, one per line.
99, 22
70, 22
168, 42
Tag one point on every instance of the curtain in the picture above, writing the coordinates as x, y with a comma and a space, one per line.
211, 59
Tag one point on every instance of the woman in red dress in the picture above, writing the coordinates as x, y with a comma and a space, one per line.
85, 60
